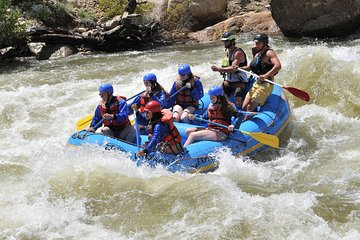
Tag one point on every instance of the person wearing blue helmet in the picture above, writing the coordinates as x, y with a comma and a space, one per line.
219, 111
114, 111
266, 64
235, 82
154, 91
187, 101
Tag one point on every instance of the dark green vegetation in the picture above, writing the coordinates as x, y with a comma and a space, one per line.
10, 29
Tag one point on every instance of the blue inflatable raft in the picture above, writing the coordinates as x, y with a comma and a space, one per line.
272, 119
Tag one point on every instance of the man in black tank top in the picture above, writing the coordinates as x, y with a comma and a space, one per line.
265, 64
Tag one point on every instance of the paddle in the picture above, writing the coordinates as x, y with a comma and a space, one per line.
176, 93
85, 122
248, 113
137, 131
294, 91
99, 123
264, 138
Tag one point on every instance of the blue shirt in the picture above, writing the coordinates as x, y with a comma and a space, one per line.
159, 96
121, 116
197, 93
160, 130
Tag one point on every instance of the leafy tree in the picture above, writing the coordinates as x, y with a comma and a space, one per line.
10, 30
112, 7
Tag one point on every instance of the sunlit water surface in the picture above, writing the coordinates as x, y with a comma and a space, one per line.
309, 189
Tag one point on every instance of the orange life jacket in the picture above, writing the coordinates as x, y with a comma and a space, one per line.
184, 98
173, 137
215, 115
113, 109
143, 101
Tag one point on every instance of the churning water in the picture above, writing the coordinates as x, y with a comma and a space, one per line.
309, 189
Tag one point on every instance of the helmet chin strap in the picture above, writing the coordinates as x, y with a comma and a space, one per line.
109, 98
217, 100
263, 46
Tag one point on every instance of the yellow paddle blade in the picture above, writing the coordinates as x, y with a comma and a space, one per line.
264, 138
84, 122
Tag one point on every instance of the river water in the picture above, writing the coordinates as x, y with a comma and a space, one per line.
309, 189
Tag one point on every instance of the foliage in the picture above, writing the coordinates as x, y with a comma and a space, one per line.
177, 16
86, 15
145, 8
44, 13
9, 28
63, 8
112, 7
117, 7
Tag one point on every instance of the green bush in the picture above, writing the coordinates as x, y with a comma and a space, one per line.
9, 28
144, 8
112, 8
178, 16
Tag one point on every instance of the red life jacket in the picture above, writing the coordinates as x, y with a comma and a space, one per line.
215, 115
184, 98
143, 101
173, 137
113, 109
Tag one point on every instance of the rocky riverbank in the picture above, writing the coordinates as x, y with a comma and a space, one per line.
56, 28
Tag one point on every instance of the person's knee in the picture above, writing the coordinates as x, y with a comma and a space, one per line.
184, 118
107, 132
176, 116
227, 90
189, 131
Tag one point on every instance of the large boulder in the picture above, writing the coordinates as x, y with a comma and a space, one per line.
249, 22
316, 18
201, 13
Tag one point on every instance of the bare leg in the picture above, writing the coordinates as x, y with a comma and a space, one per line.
200, 135
250, 108
177, 112
184, 117
128, 134
107, 131
246, 101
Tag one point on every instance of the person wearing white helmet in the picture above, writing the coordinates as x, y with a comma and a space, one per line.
235, 81
114, 112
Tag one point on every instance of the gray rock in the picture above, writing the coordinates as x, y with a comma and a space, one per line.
316, 18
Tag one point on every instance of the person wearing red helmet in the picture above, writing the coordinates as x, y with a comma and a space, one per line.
219, 111
163, 135
187, 101
114, 111
266, 64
